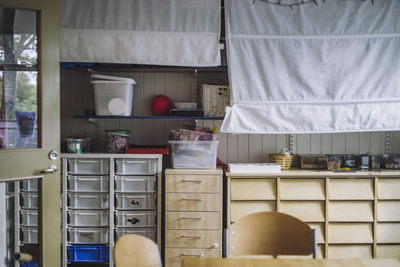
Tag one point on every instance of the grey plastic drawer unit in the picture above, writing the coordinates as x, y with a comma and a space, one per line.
88, 200
29, 185
136, 166
140, 184
136, 218
29, 235
136, 201
88, 235
88, 166
28, 217
147, 232
81, 218
88, 183
29, 200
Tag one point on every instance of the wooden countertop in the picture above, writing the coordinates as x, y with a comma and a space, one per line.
315, 173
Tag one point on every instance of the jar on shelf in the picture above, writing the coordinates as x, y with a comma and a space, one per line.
117, 141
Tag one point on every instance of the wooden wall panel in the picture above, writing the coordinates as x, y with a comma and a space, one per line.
77, 97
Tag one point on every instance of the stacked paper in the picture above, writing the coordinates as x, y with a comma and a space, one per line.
254, 168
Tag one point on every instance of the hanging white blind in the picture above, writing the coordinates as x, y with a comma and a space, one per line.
313, 66
158, 32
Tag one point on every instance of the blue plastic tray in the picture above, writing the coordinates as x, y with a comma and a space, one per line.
88, 253
29, 264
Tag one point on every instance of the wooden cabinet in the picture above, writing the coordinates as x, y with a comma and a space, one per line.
355, 214
193, 214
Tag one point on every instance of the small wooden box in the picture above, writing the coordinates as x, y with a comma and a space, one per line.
313, 162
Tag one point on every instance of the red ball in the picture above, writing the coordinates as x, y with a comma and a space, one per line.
160, 105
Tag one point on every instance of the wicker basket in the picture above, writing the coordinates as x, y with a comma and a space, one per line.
283, 160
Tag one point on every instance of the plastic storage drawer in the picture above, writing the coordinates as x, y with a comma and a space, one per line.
88, 183
81, 218
88, 235
136, 218
150, 233
88, 200
29, 185
136, 166
29, 200
29, 217
28, 264
136, 184
29, 235
88, 254
88, 166
136, 201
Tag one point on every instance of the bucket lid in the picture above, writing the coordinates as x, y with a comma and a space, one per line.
112, 78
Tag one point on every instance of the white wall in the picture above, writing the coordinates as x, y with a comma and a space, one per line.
77, 96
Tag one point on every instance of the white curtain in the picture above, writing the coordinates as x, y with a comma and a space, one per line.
313, 66
158, 32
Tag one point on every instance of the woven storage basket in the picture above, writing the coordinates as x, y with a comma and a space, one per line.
283, 160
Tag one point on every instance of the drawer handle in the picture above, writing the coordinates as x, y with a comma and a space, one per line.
192, 218
192, 237
136, 162
192, 199
192, 181
191, 255
88, 161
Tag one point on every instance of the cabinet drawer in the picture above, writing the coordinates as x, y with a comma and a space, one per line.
29, 217
29, 235
136, 184
192, 202
253, 189
388, 232
351, 189
193, 239
388, 211
302, 189
388, 251
88, 200
240, 209
348, 211
320, 229
305, 211
150, 233
349, 251
173, 257
136, 218
87, 235
350, 233
389, 188
136, 201
88, 166
88, 183
193, 183
193, 220
81, 218
136, 166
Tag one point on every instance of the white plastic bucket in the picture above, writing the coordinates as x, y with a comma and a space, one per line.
113, 95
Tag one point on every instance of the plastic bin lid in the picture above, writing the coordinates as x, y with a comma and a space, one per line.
112, 78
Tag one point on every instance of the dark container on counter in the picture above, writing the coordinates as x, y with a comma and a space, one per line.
117, 141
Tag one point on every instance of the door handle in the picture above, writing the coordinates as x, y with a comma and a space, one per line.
52, 169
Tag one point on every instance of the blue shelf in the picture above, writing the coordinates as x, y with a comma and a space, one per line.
147, 117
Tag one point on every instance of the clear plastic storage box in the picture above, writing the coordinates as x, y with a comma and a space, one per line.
29, 200
88, 200
29, 217
88, 166
136, 218
88, 235
136, 166
136, 201
113, 95
83, 218
138, 184
29, 235
147, 232
88, 183
194, 154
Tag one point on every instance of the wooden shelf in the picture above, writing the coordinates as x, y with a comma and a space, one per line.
147, 117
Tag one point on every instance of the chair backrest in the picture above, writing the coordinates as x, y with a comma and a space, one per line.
270, 233
133, 250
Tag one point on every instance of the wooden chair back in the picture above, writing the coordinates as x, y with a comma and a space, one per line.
133, 250
270, 233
